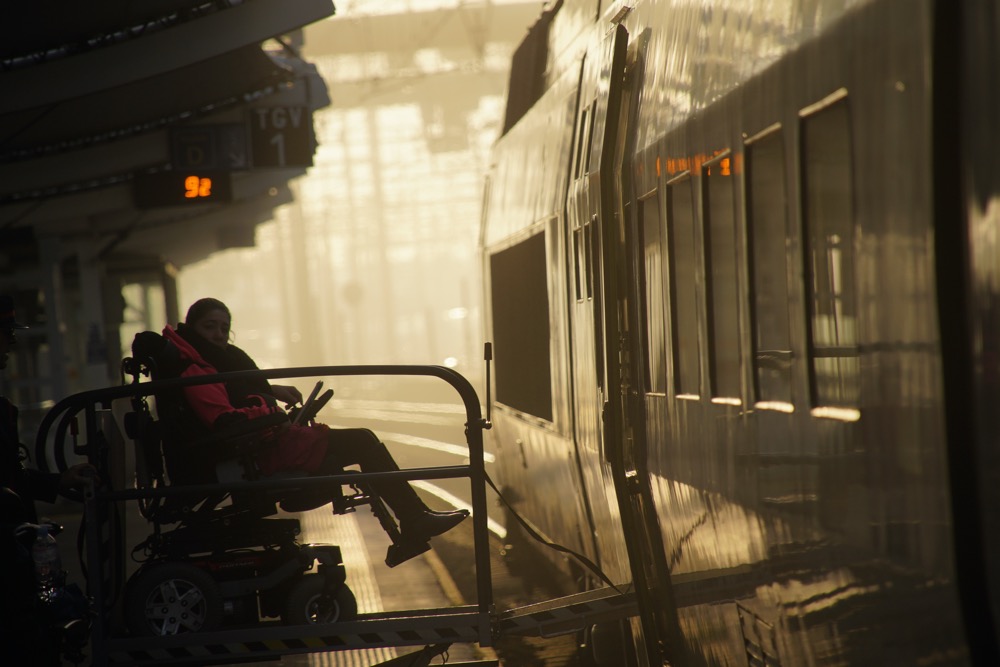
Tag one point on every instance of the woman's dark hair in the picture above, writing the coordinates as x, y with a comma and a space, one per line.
202, 307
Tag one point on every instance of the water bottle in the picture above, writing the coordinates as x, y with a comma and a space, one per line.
48, 565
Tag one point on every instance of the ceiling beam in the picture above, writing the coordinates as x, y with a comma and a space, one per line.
446, 29
162, 51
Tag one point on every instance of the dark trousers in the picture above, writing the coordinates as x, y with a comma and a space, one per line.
361, 447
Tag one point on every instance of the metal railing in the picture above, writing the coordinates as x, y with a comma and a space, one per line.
470, 623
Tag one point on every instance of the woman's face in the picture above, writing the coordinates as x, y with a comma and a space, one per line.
214, 327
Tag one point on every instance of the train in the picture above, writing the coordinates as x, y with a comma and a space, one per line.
741, 266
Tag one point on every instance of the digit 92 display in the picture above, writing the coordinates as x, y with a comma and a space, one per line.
181, 188
197, 187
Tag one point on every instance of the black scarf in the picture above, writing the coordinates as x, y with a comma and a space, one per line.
226, 360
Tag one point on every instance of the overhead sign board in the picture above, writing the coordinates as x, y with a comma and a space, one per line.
281, 136
216, 146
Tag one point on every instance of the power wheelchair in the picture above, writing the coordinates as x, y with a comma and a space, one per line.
218, 558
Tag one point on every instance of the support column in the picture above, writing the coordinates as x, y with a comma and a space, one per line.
50, 262
170, 299
94, 371
382, 346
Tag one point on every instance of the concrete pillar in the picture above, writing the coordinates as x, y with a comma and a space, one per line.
94, 372
168, 278
383, 348
50, 261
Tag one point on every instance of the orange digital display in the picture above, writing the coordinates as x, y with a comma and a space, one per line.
728, 166
182, 188
197, 186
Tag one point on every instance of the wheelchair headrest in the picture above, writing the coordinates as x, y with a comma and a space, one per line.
157, 353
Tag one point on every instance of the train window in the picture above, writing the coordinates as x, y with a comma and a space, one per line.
577, 258
583, 260
767, 233
649, 227
582, 139
589, 254
590, 139
682, 271
593, 292
722, 282
828, 218
519, 290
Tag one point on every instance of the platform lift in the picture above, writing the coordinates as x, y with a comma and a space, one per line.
104, 445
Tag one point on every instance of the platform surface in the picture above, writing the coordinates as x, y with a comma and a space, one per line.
422, 582
415, 584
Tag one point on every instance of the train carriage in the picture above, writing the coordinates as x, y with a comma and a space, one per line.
741, 265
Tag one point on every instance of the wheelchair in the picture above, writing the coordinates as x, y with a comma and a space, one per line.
216, 558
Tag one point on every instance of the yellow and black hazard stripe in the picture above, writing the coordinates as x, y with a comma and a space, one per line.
286, 641
271, 647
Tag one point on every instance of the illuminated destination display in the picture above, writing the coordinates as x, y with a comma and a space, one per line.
182, 188
197, 187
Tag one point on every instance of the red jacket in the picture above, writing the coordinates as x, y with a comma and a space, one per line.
296, 448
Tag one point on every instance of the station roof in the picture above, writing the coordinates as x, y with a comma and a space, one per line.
91, 94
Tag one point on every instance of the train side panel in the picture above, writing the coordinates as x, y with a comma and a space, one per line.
758, 299
525, 258
787, 474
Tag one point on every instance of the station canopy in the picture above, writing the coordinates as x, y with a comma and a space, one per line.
99, 98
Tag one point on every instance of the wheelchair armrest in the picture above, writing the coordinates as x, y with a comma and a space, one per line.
247, 427
241, 437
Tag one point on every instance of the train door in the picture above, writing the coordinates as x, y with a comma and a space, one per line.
584, 222
595, 218
650, 570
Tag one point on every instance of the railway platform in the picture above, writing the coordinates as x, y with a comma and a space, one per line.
421, 583
438, 578
420, 614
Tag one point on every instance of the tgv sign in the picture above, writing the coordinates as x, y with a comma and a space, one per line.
281, 136
276, 136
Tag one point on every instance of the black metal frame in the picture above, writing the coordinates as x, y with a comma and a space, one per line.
472, 623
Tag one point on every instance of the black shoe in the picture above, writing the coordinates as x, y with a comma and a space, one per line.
404, 551
428, 524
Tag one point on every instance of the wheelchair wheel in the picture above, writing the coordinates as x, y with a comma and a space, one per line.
172, 598
307, 604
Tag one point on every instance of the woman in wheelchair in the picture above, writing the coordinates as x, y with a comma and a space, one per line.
203, 342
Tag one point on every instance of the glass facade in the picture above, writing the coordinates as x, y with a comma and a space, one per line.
376, 261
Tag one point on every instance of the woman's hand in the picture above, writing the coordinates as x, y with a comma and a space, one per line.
287, 394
